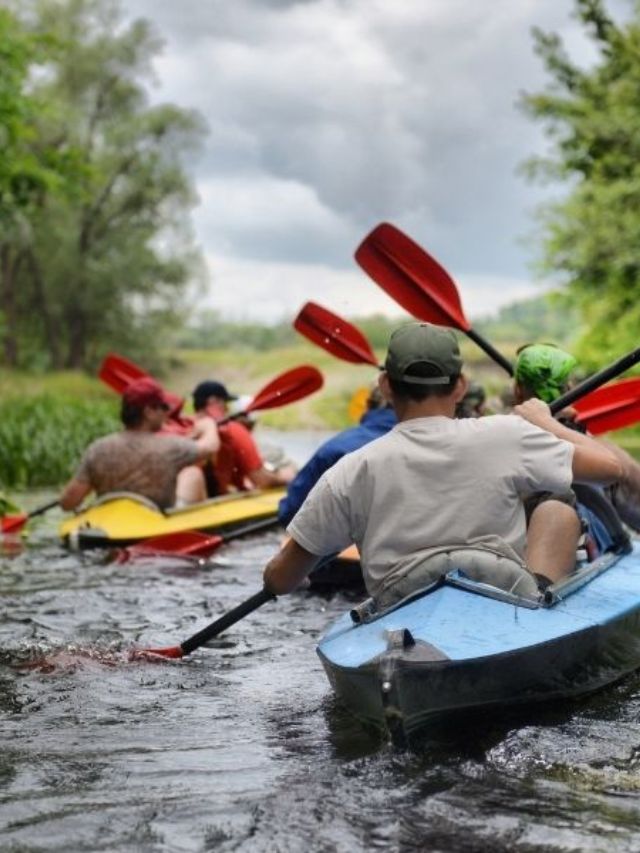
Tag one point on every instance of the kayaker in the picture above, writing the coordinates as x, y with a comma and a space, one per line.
376, 421
544, 371
436, 487
137, 459
238, 463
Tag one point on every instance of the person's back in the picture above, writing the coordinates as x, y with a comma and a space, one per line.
139, 459
141, 462
376, 422
430, 484
434, 483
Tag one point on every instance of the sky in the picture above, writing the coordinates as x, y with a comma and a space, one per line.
327, 117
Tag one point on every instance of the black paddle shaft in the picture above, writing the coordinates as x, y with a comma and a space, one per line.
42, 509
595, 381
226, 621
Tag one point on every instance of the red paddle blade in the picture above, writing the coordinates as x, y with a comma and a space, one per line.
412, 277
13, 523
334, 334
288, 387
618, 418
173, 652
616, 394
189, 543
117, 372
610, 407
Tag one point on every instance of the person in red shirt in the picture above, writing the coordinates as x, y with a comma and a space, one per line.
238, 464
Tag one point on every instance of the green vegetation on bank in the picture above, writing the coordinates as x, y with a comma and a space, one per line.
42, 437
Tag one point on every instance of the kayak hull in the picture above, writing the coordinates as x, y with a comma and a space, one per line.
124, 519
455, 649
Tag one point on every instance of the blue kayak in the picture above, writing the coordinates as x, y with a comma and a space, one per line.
460, 645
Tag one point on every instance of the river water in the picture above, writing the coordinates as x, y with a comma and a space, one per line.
242, 747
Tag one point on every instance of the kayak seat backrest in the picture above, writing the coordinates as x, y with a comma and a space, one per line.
595, 500
475, 564
495, 570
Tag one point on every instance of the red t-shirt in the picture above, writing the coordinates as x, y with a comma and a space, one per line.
237, 457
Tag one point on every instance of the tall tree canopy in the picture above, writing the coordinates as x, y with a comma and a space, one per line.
109, 250
593, 236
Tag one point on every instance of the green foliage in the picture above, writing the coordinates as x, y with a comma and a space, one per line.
43, 437
592, 236
208, 330
547, 318
103, 258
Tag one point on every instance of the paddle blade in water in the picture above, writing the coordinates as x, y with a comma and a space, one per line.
188, 543
172, 652
288, 387
412, 277
13, 523
334, 334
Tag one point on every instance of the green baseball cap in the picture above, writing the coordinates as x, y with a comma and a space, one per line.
423, 344
544, 369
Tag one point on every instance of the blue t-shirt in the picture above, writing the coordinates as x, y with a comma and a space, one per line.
372, 425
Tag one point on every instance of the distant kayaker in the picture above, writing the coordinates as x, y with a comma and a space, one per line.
238, 463
544, 371
376, 421
137, 459
435, 486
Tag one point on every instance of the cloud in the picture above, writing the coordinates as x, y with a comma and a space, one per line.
328, 116
245, 289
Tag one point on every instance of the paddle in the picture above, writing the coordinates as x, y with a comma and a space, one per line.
286, 388
596, 381
117, 372
611, 407
418, 282
14, 523
194, 642
190, 543
334, 334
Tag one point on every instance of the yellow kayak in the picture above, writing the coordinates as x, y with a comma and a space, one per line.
123, 518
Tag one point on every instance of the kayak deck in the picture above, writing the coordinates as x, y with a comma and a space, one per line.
458, 647
124, 519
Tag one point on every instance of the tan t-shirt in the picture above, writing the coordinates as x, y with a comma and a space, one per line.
432, 484
142, 462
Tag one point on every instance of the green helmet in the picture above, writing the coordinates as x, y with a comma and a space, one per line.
544, 369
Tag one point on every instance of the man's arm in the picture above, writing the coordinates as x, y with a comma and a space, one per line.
74, 493
593, 462
205, 434
288, 568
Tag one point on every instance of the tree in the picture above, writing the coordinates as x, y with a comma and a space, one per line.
592, 237
112, 255
29, 171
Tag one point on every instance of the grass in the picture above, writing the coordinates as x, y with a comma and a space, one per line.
43, 436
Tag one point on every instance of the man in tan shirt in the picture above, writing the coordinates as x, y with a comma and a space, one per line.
434, 483
162, 468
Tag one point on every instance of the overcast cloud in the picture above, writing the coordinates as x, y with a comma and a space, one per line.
328, 116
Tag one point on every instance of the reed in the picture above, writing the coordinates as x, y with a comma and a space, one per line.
43, 436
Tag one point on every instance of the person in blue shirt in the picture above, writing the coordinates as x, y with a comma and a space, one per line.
376, 421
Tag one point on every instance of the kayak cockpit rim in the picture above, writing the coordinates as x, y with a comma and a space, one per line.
554, 594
